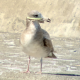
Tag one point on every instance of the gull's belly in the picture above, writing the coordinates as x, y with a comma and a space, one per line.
34, 47
36, 50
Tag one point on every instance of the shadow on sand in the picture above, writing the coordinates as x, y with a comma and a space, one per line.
64, 74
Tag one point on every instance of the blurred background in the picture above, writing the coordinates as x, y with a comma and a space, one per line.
65, 16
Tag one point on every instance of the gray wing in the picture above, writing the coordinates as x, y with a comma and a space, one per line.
47, 42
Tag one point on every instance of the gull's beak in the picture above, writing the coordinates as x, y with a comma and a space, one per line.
47, 20
44, 19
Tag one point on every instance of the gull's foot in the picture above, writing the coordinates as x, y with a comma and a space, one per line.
27, 71
40, 72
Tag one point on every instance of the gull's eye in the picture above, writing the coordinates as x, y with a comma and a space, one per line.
35, 15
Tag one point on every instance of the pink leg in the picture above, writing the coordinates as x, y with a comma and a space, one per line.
40, 72
28, 66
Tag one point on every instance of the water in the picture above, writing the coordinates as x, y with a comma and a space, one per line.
12, 59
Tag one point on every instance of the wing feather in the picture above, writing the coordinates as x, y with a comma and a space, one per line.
47, 42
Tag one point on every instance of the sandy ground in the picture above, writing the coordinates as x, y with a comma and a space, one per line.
13, 61
21, 76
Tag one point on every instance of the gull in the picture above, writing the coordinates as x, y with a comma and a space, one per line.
36, 41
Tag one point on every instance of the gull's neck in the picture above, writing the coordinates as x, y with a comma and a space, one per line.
31, 24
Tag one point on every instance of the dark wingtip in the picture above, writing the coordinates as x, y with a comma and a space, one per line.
53, 56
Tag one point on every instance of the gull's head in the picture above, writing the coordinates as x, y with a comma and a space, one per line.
37, 16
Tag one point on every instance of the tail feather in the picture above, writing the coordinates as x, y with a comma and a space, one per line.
51, 56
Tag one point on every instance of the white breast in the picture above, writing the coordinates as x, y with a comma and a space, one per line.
28, 39
29, 34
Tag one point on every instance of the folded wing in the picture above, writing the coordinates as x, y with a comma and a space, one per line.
47, 43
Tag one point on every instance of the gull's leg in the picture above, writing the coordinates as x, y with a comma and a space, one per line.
28, 66
40, 67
